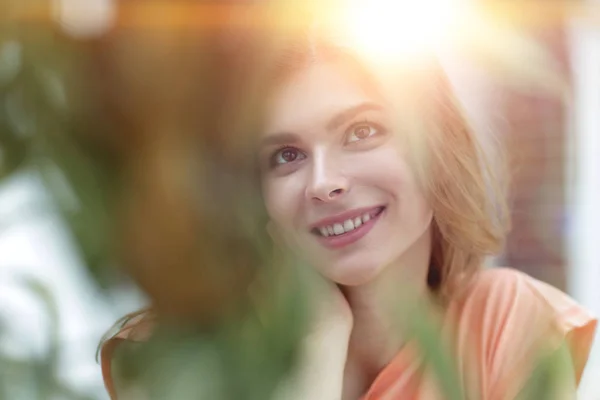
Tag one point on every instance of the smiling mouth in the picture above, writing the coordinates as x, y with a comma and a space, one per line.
348, 225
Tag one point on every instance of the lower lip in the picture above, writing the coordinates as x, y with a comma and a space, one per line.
343, 240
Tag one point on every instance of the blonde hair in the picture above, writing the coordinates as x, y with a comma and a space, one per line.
465, 188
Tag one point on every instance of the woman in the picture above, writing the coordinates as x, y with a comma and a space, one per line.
377, 182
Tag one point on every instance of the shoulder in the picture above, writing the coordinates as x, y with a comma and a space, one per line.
498, 279
137, 326
134, 327
507, 300
511, 318
503, 291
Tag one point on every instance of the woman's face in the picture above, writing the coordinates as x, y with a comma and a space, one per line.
336, 184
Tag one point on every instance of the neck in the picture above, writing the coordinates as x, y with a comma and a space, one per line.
375, 307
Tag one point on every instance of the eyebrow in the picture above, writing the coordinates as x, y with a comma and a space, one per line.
279, 138
349, 113
335, 122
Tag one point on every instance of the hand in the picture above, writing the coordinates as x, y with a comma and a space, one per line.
320, 373
332, 315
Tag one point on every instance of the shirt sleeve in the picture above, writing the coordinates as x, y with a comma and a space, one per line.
136, 327
572, 324
521, 319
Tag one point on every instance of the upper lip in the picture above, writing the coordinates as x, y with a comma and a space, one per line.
340, 218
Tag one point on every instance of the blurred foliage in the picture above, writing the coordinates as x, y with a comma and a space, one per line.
127, 133
43, 96
36, 377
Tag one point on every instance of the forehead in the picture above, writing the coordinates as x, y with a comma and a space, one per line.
313, 94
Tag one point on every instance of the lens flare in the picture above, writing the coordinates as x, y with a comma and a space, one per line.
401, 28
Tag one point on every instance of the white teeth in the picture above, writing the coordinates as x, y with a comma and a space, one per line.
338, 229
348, 225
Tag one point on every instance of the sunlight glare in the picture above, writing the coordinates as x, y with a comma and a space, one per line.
400, 28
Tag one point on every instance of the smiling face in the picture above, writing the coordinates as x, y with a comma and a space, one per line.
336, 183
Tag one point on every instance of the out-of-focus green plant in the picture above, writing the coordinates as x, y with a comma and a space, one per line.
36, 377
42, 92
127, 132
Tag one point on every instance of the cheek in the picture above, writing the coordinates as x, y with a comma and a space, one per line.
387, 170
282, 200
383, 168
414, 209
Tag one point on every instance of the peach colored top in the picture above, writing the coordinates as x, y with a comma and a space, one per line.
497, 327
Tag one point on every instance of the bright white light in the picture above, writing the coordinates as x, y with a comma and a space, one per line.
85, 18
400, 28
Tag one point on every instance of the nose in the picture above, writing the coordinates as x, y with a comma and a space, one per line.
326, 183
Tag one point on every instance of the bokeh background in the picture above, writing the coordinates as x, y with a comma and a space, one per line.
553, 149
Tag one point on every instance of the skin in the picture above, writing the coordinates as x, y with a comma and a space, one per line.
330, 147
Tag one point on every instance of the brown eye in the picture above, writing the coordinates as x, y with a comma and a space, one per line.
361, 132
287, 155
